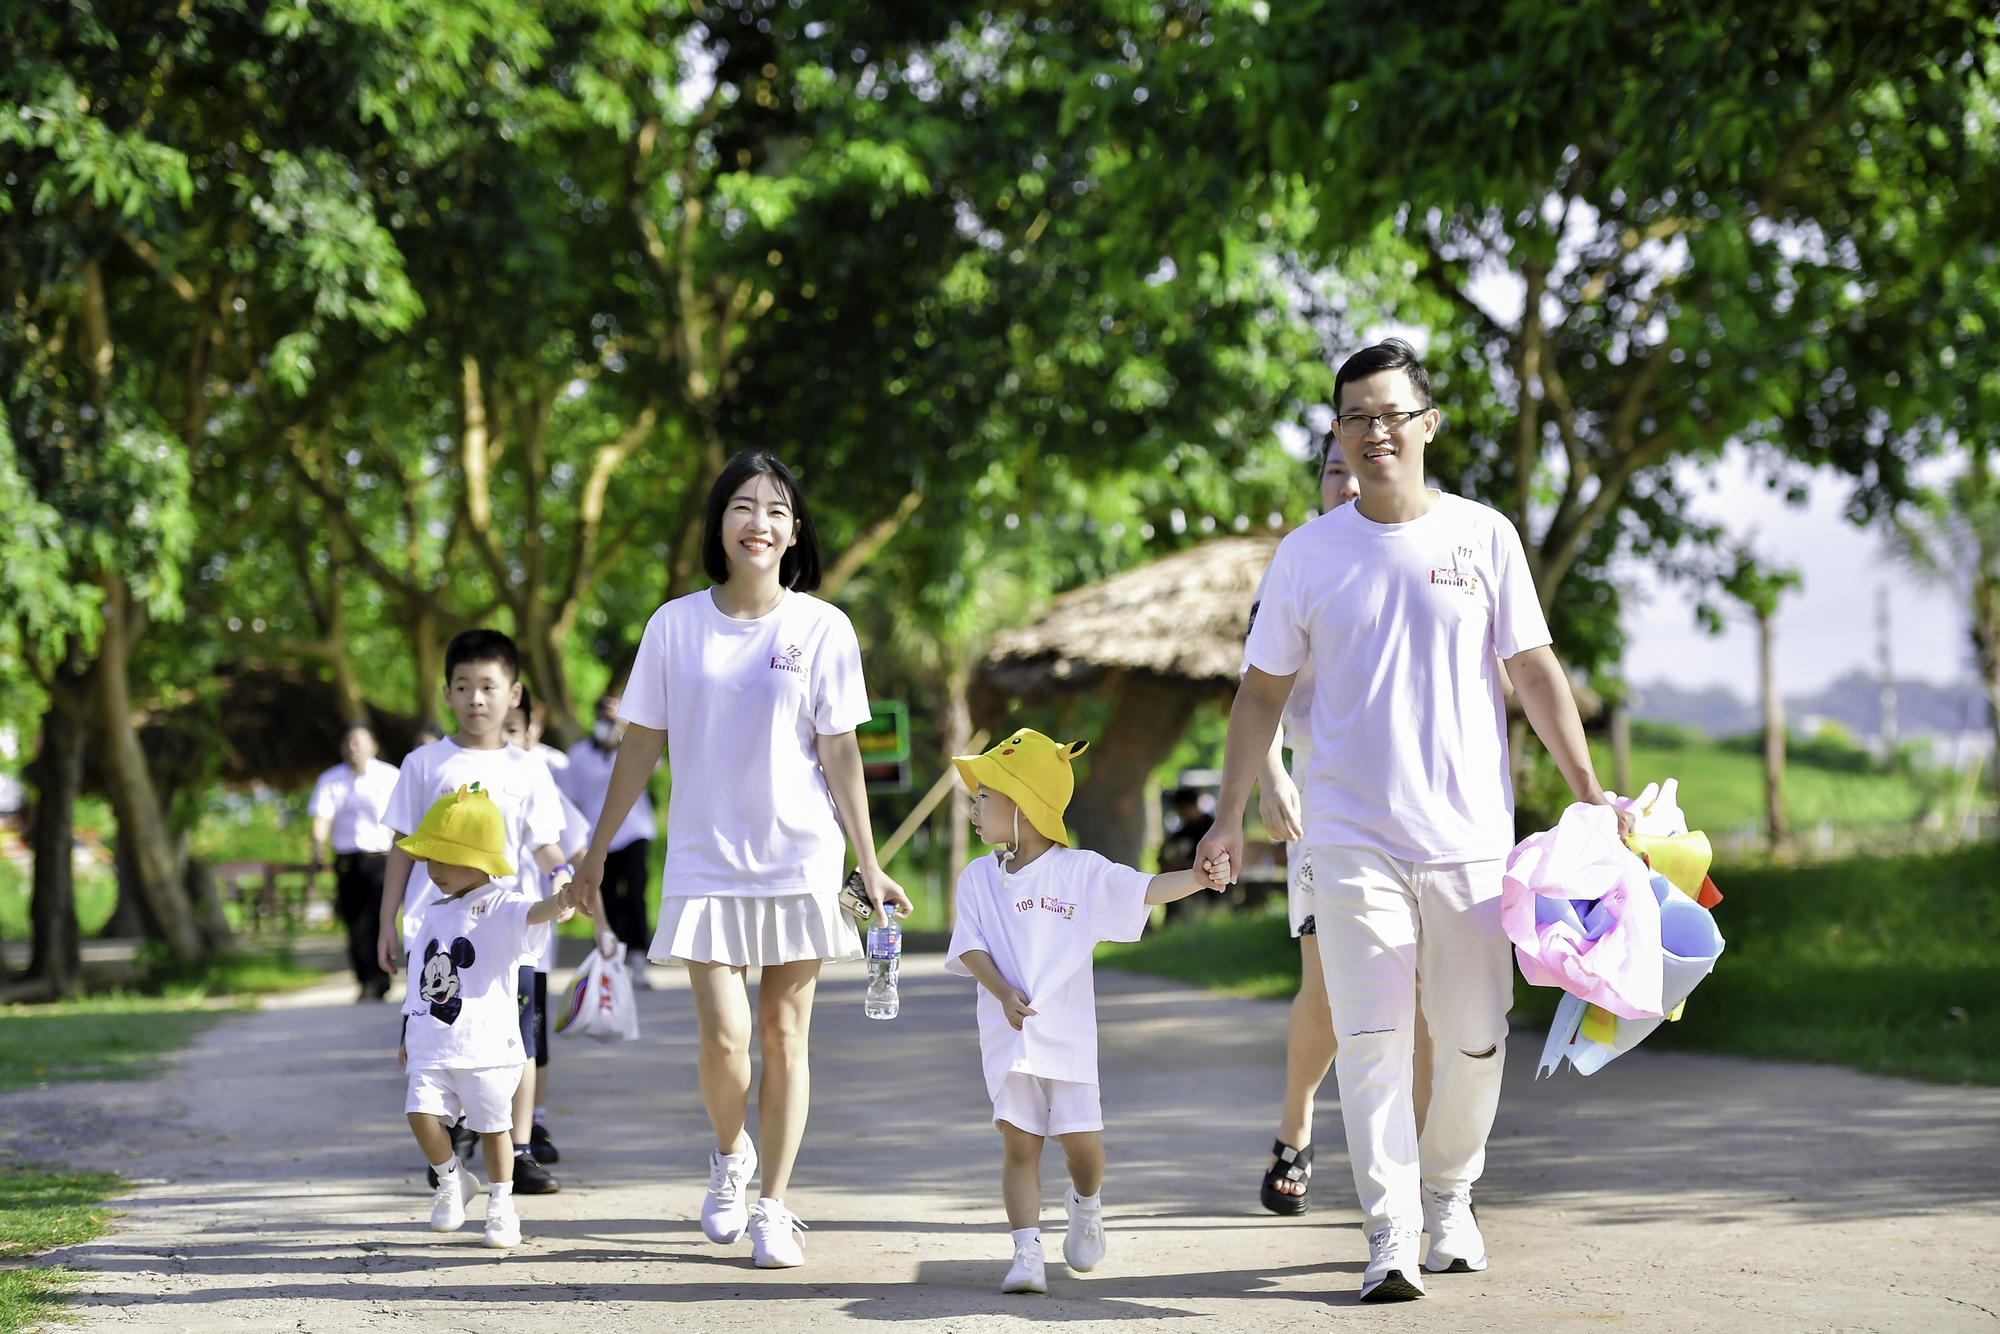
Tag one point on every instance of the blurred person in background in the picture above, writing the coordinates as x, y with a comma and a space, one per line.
584, 778
346, 809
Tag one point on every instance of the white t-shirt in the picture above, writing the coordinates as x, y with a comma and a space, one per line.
355, 803
1408, 624
461, 1002
743, 704
1298, 709
1040, 924
519, 784
585, 779
538, 950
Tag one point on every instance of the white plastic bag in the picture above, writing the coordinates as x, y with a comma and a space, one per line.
599, 1003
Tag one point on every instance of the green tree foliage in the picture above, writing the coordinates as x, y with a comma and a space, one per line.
1633, 235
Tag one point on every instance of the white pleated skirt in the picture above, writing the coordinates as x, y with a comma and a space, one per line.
754, 932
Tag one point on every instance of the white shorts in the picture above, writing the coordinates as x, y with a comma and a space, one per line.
1047, 1106
485, 1095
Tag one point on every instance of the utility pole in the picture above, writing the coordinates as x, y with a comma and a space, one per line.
1888, 727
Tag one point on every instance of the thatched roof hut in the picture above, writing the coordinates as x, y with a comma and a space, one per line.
1161, 639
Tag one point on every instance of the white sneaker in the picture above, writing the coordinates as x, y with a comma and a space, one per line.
725, 1213
448, 1204
1392, 1274
1456, 1244
1030, 1272
1083, 1244
503, 1225
774, 1236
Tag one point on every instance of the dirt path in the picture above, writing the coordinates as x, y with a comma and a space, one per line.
281, 1190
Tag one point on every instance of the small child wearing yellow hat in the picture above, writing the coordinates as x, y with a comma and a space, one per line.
1028, 919
463, 1037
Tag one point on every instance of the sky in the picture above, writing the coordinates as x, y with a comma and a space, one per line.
1824, 630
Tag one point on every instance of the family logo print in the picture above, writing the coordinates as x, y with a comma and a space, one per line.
1060, 907
1467, 584
791, 660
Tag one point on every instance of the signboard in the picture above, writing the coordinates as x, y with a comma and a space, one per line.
885, 746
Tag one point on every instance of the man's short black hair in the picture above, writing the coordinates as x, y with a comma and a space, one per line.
799, 567
1391, 354
482, 646
357, 725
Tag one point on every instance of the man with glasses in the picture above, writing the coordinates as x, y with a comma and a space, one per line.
1407, 603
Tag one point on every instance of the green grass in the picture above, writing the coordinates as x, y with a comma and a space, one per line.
41, 1209
1885, 964
105, 1037
1248, 954
1722, 789
239, 972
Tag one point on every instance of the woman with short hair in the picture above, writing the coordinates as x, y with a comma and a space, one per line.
754, 688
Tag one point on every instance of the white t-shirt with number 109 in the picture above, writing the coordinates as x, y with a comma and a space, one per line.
1406, 625
1040, 925
743, 704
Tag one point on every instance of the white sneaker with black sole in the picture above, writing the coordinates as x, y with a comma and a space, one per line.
774, 1236
1029, 1272
449, 1201
725, 1213
1083, 1244
1456, 1244
1392, 1274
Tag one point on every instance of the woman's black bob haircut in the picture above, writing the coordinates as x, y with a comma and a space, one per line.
799, 568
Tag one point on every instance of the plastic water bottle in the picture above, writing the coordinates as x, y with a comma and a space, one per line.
885, 957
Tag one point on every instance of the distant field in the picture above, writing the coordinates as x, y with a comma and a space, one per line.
1722, 790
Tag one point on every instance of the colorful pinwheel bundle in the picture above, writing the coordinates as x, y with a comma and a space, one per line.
1624, 928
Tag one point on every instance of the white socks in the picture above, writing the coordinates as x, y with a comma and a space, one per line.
1024, 1235
1086, 1201
500, 1192
447, 1167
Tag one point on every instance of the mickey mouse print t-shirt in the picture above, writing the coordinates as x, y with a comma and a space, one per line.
743, 704
461, 1006
1040, 924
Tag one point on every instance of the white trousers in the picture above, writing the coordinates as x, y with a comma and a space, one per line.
1382, 923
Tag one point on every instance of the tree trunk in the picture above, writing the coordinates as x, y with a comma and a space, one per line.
543, 645
957, 740
58, 958
142, 826
1108, 812
205, 897
1774, 735
428, 657
1621, 748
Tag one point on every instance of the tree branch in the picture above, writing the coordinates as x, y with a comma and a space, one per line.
864, 547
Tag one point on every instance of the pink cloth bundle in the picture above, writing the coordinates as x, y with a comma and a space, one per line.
1583, 915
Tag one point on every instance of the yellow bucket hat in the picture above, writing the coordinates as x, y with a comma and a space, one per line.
462, 828
1032, 770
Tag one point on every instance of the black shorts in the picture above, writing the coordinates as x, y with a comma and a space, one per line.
526, 994
541, 1018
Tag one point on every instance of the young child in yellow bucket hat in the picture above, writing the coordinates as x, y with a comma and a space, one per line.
464, 1036
1028, 918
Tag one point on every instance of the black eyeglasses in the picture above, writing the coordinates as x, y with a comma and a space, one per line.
1354, 425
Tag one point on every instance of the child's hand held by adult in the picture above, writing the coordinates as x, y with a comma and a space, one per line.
1215, 872
1221, 847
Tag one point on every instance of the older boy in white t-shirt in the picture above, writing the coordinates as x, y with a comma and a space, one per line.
1028, 919
462, 1036
482, 679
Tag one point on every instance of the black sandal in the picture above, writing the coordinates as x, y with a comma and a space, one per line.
1292, 1165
